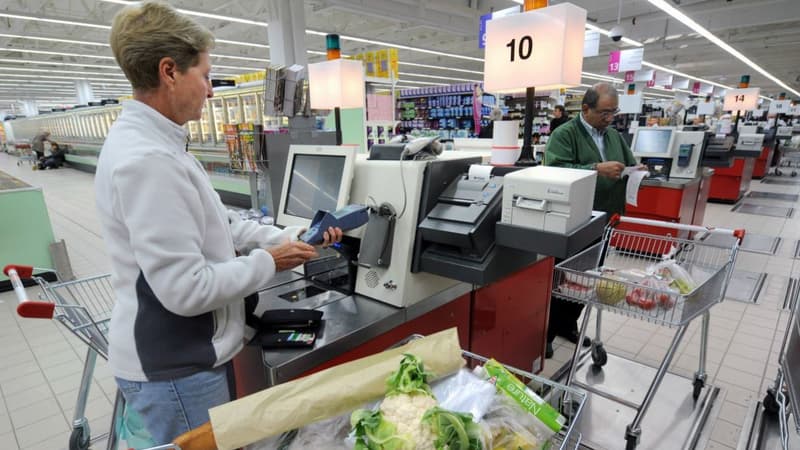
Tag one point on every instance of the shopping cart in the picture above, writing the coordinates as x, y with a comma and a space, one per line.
25, 153
568, 400
83, 306
578, 278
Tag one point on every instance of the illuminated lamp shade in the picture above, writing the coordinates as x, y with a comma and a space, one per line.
338, 83
542, 48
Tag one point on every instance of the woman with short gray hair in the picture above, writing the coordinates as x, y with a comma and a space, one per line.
179, 315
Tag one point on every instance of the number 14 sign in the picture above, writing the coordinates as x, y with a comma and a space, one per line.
741, 99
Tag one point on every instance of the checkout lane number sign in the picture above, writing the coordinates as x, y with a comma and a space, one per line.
741, 99
542, 48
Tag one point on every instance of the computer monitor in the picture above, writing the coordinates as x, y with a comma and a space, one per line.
653, 142
317, 177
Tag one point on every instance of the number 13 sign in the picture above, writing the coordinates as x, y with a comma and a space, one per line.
741, 99
542, 48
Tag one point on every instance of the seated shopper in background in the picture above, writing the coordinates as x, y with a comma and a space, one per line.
179, 314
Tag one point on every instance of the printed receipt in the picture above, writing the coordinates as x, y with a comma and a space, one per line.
635, 177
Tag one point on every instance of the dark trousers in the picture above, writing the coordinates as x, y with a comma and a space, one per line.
563, 317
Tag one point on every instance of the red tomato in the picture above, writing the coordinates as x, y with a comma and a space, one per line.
647, 304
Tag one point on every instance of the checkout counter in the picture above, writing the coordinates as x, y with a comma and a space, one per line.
733, 169
678, 187
430, 257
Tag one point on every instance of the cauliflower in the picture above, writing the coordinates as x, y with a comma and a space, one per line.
405, 412
409, 418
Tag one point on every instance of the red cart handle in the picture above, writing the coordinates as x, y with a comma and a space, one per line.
616, 219
27, 308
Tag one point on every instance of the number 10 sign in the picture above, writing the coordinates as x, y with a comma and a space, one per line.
542, 48
741, 99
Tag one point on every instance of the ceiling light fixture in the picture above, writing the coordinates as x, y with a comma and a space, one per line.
74, 72
686, 20
56, 63
56, 77
63, 22
243, 44
44, 52
436, 77
198, 14
42, 38
429, 66
399, 46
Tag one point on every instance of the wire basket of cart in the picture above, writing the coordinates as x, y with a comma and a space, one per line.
661, 279
83, 306
568, 401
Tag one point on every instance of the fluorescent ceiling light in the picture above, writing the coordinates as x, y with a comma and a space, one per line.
75, 72
41, 38
243, 58
56, 63
243, 44
56, 77
404, 47
424, 82
63, 22
436, 77
597, 76
686, 20
37, 81
198, 14
43, 52
429, 66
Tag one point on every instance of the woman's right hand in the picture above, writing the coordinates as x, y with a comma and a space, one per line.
291, 254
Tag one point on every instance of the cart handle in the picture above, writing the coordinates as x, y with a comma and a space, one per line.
27, 308
616, 219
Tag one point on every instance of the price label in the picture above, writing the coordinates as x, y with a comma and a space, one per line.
780, 106
741, 99
542, 48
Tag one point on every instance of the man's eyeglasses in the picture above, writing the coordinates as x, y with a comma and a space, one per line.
608, 112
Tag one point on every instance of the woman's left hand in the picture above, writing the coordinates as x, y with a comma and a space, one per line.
332, 236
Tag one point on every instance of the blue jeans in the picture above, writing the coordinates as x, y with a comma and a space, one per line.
172, 407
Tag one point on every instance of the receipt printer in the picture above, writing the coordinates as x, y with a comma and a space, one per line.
553, 199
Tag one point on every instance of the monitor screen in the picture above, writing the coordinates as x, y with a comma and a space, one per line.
314, 184
652, 140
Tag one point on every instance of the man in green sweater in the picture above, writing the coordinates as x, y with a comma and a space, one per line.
587, 142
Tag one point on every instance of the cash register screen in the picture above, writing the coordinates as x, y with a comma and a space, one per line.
314, 184
652, 142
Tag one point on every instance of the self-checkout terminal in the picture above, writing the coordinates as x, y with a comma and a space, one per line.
668, 152
430, 224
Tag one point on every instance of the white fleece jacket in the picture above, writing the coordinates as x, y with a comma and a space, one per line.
172, 244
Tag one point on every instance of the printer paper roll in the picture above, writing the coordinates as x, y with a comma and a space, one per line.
505, 144
479, 172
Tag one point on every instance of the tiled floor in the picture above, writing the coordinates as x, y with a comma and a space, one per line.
41, 362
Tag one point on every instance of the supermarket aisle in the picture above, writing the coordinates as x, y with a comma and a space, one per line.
41, 363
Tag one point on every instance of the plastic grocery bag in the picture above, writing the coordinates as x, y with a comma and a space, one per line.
464, 392
676, 276
508, 426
